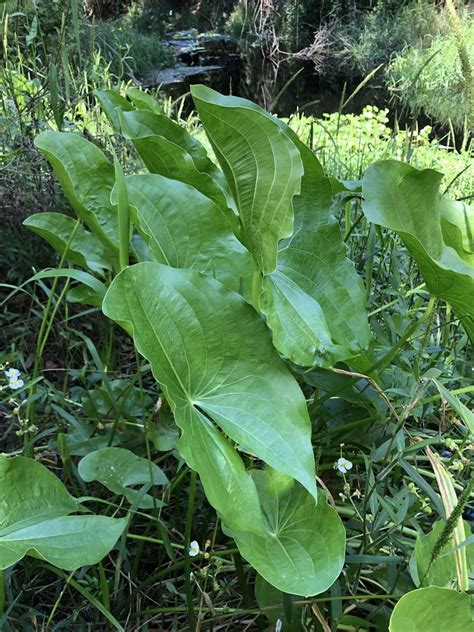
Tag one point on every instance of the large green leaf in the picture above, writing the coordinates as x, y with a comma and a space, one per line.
296, 545
262, 166
34, 520
457, 224
311, 536
120, 469
212, 354
111, 102
315, 302
432, 609
185, 229
143, 124
217, 367
401, 198
87, 179
175, 155
84, 249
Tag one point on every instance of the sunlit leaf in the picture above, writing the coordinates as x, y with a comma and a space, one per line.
111, 101
143, 124
144, 101
165, 150
311, 536
185, 324
457, 224
262, 166
401, 198
432, 609
214, 375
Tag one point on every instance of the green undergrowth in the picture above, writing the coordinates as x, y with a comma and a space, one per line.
387, 442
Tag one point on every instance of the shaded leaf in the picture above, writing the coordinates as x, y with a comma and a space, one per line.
84, 249
97, 288
34, 520
450, 500
315, 301
87, 179
185, 229
456, 404
84, 295
270, 600
443, 570
119, 469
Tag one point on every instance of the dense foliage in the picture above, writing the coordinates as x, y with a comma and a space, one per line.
236, 360
229, 268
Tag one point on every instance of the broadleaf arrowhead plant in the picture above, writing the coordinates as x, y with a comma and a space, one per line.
240, 271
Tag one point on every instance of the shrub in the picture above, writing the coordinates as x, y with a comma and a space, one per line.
129, 51
430, 79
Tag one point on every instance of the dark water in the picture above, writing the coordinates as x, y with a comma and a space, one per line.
283, 87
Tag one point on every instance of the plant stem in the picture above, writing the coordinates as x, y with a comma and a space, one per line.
123, 215
187, 559
45, 329
395, 350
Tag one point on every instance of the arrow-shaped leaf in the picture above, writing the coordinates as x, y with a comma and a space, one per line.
87, 179
213, 355
84, 249
315, 301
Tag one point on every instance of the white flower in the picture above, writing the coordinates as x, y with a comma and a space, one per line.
12, 373
194, 549
343, 465
16, 383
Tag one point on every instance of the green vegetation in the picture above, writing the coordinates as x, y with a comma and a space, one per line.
213, 318
431, 79
225, 385
346, 144
129, 52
